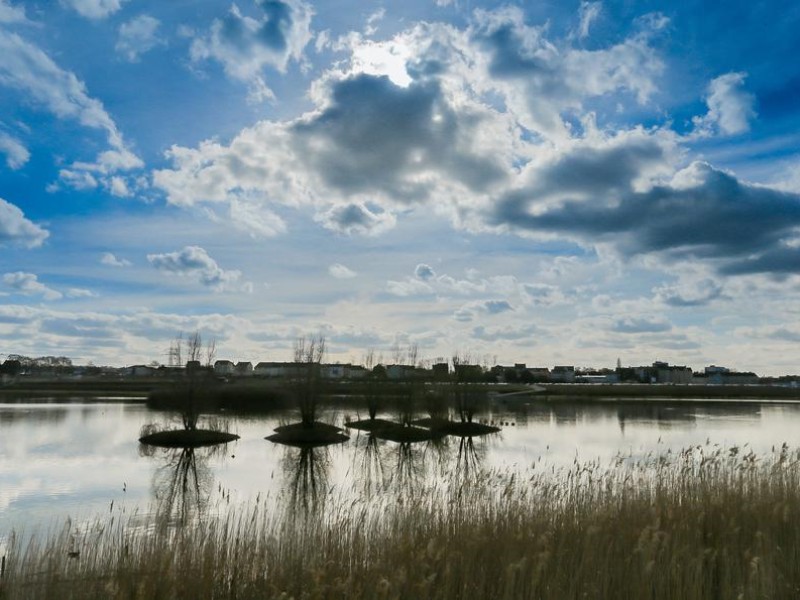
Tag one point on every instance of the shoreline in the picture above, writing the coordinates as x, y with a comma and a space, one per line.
139, 391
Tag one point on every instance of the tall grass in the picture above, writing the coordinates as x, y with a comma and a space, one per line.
704, 523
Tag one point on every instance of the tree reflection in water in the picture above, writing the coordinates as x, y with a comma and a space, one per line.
307, 471
369, 464
468, 460
182, 484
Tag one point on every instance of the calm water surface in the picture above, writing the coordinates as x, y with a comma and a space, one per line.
81, 459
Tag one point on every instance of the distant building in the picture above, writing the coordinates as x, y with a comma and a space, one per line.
562, 374
140, 371
355, 372
272, 369
672, 374
193, 366
661, 372
440, 370
224, 367
283, 369
468, 372
244, 369
400, 372
334, 371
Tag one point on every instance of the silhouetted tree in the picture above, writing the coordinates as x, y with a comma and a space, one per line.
308, 356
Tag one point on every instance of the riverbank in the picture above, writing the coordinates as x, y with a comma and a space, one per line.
275, 394
31, 389
622, 391
703, 523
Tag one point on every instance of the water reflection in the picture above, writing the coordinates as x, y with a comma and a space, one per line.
469, 459
306, 469
45, 414
664, 414
59, 460
368, 464
182, 483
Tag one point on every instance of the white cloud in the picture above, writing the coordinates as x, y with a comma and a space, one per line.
470, 310
245, 46
541, 80
194, 262
94, 9
110, 260
730, 107
588, 13
29, 284
409, 287
27, 69
339, 271
507, 333
404, 123
118, 187
12, 14
77, 180
138, 36
689, 292
16, 153
373, 20
641, 325
17, 230
80, 293
542, 294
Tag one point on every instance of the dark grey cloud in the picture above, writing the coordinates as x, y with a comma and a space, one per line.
378, 137
742, 228
424, 272
356, 218
495, 307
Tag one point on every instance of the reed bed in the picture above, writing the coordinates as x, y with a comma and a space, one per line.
706, 522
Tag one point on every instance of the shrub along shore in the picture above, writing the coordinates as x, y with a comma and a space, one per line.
706, 523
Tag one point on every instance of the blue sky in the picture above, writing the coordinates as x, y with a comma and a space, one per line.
546, 183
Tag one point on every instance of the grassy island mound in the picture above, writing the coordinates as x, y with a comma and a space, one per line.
371, 425
308, 434
456, 428
402, 433
187, 438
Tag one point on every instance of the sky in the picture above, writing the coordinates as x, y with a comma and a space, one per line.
539, 182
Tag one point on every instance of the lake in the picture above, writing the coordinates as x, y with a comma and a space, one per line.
81, 459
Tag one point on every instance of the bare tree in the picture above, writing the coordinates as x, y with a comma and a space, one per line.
413, 353
467, 401
175, 353
309, 352
211, 351
369, 359
397, 354
194, 347
193, 374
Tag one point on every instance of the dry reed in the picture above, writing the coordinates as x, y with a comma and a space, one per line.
704, 523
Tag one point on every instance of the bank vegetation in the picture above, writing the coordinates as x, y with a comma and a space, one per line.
709, 522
